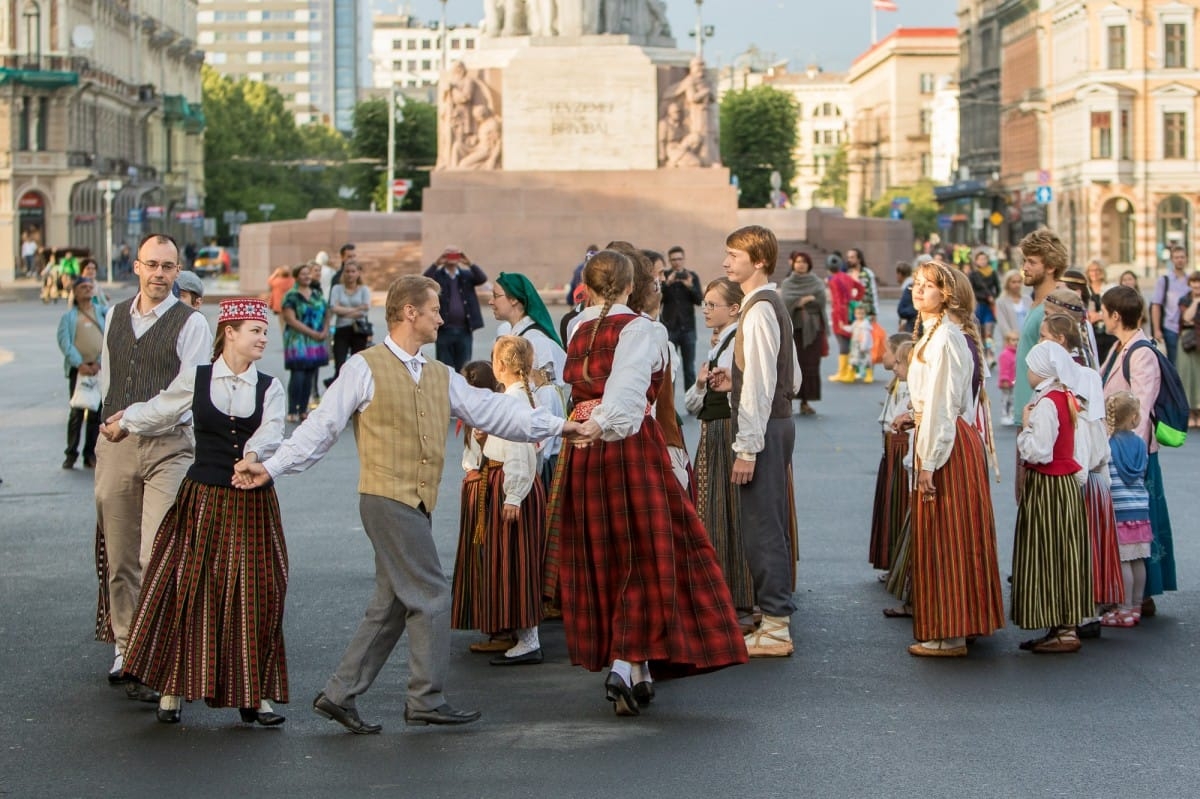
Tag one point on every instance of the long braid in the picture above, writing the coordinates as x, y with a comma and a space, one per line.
592, 339
920, 353
524, 378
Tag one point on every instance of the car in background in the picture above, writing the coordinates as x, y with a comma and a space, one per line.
212, 261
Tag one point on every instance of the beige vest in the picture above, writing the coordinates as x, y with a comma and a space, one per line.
402, 434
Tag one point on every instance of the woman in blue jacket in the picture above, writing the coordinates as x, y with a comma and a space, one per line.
81, 337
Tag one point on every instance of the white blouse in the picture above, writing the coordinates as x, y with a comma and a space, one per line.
231, 394
1091, 449
641, 351
939, 384
1035, 442
693, 398
520, 460
895, 404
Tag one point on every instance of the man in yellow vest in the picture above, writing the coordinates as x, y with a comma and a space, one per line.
401, 404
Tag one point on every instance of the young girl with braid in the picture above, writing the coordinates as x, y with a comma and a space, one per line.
639, 581
1127, 467
511, 521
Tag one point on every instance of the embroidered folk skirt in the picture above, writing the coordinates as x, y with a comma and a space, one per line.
510, 567
955, 570
638, 577
892, 493
104, 630
719, 506
1108, 585
469, 558
209, 623
1052, 560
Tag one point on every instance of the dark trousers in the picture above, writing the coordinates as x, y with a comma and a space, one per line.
345, 343
75, 425
300, 388
1171, 340
686, 341
766, 528
454, 347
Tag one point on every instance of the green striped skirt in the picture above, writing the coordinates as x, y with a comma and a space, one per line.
1052, 559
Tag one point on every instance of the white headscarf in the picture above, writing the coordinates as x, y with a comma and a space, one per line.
1051, 359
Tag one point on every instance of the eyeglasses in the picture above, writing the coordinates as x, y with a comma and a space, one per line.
497, 296
154, 266
712, 306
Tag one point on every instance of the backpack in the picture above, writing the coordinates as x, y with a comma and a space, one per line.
1171, 409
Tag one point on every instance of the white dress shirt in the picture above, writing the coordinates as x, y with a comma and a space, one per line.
520, 459
194, 345
761, 340
939, 385
232, 395
354, 389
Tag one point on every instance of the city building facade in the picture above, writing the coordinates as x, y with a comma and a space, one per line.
410, 54
96, 93
892, 88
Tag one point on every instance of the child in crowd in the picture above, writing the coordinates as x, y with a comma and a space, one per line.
891, 487
898, 582
1008, 374
861, 342
1131, 502
1052, 581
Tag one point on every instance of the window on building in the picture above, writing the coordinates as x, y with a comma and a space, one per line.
397, 66
1126, 134
267, 16
821, 165
1116, 47
1101, 134
426, 44
1175, 45
926, 165
397, 44
278, 36
456, 44
926, 121
470, 44
411, 65
411, 44
426, 65
1174, 134
927, 83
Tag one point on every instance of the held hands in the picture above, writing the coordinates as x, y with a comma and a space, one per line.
89, 369
902, 422
720, 379
702, 376
111, 429
249, 473
581, 434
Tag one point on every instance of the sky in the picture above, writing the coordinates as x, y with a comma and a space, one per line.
831, 33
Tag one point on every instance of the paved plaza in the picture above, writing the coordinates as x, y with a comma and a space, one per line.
851, 714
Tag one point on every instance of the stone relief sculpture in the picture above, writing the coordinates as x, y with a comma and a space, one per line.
637, 18
687, 130
468, 122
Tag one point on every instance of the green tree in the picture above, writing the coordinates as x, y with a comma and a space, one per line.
416, 148
833, 187
758, 136
921, 209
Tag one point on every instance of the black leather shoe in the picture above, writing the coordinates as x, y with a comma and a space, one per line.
69, 463
643, 692
528, 658
264, 717
346, 716
169, 716
89, 463
140, 692
118, 678
441, 715
1089, 630
617, 692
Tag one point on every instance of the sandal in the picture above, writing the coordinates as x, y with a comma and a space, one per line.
1118, 618
1058, 643
902, 612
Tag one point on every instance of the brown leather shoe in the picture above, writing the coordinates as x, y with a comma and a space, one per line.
1058, 645
936, 649
1148, 608
494, 644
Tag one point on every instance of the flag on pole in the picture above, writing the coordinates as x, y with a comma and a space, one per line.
885, 5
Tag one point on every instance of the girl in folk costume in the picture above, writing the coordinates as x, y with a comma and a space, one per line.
513, 516
209, 623
1091, 453
1064, 302
891, 484
472, 524
640, 582
898, 577
717, 502
1127, 467
1052, 581
955, 571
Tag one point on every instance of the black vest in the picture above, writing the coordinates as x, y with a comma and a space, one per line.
716, 403
221, 438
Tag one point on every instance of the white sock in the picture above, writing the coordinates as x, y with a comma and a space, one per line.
640, 673
527, 641
169, 702
265, 707
118, 663
623, 669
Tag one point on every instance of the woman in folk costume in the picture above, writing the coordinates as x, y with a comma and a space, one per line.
640, 582
1092, 455
955, 571
1052, 580
717, 502
209, 624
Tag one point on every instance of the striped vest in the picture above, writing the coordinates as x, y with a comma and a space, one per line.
781, 403
141, 367
401, 435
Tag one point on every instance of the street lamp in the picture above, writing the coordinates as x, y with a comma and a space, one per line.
32, 14
702, 31
443, 32
110, 189
395, 114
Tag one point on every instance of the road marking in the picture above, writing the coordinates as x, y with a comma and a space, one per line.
6, 356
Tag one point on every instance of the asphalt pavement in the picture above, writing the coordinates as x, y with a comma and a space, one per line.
851, 714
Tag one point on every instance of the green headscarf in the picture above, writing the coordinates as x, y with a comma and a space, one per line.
521, 290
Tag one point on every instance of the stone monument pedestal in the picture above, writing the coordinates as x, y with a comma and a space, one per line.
540, 222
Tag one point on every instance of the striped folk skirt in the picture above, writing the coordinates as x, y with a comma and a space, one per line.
1052, 560
955, 570
892, 492
899, 581
719, 506
1108, 586
209, 624
469, 558
510, 563
104, 630
1160, 566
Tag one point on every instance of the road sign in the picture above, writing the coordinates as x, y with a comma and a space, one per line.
1043, 195
899, 201
896, 213
401, 187
944, 221
1043, 176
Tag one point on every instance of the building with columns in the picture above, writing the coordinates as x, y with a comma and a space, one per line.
91, 91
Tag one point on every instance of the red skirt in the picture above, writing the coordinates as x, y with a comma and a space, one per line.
1107, 581
955, 570
510, 565
209, 624
891, 500
637, 575
468, 560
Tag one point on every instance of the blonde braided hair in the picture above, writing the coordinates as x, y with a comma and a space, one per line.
608, 274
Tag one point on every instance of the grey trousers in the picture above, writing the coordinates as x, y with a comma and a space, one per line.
766, 528
411, 592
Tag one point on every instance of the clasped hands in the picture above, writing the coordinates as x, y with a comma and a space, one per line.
581, 434
248, 473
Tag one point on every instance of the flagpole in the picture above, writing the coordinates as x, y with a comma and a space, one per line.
874, 27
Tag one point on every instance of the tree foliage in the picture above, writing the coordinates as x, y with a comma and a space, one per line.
833, 188
758, 136
921, 209
416, 148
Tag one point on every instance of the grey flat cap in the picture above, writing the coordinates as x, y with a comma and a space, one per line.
190, 282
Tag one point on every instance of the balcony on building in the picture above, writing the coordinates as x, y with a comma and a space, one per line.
38, 72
